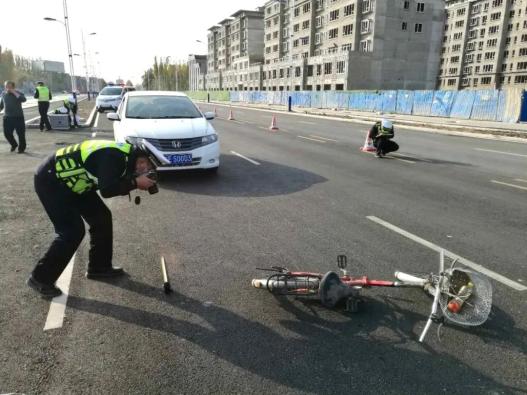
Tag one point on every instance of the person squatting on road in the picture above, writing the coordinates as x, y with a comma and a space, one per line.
11, 102
66, 184
382, 134
43, 95
71, 104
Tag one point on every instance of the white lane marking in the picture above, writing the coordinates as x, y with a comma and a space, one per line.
96, 120
309, 138
500, 152
399, 157
323, 138
509, 185
244, 157
32, 119
463, 261
263, 127
404, 160
58, 305
92, 114
307, 123
520, 180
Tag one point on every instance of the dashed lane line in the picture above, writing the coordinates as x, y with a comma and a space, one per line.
57, 308
509, 185
323, 138
311, 139
500, 152
96, 124
489, 273
246, 158
32, 119
402, 158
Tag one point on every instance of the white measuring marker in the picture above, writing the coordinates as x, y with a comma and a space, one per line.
57, 308
489, 273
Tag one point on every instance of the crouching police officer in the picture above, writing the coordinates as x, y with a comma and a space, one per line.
382, 134
66, 184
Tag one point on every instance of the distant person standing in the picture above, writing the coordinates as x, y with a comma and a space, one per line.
43, 95
11, 100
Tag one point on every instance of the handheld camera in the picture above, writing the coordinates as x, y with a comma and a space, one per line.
152, 174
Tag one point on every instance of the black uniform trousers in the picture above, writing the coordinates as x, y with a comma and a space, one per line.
384, 145
66, 210
10, 125
43, 108
73, 117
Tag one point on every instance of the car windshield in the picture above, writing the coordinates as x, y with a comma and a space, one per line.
161, 107
111, 91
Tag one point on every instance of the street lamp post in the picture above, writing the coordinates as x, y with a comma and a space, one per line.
68, 42
93, 71
165, 79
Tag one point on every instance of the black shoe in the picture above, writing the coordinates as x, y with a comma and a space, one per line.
13, 148
48, 130
105, 273
45, 290
21, 152
378, 155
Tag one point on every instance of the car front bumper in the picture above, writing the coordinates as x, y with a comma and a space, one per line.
206, 157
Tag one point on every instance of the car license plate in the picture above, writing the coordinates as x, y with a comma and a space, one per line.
180, 159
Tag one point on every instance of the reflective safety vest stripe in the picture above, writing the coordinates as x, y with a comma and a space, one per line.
70, 160
384, 131
43, 93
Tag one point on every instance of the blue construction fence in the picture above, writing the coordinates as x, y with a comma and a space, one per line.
483, 105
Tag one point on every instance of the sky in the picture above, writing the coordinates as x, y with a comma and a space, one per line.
129, 34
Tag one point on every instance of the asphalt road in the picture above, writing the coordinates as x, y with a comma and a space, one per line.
307, 200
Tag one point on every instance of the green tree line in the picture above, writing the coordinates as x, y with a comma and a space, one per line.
20, 69
166, 76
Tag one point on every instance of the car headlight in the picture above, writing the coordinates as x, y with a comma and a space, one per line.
209, 139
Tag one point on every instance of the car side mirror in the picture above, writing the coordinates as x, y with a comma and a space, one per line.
112, 116
209, 116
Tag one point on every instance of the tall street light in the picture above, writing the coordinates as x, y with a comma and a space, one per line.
176, 65
167, 64
86, 61
68, 42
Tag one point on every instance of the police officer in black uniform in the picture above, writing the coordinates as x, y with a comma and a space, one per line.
66, 184
382, 134
44, 96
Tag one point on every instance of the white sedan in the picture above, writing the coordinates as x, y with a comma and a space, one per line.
174, 129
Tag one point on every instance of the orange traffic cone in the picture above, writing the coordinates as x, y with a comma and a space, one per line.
368, 145
231, 116
273, 126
